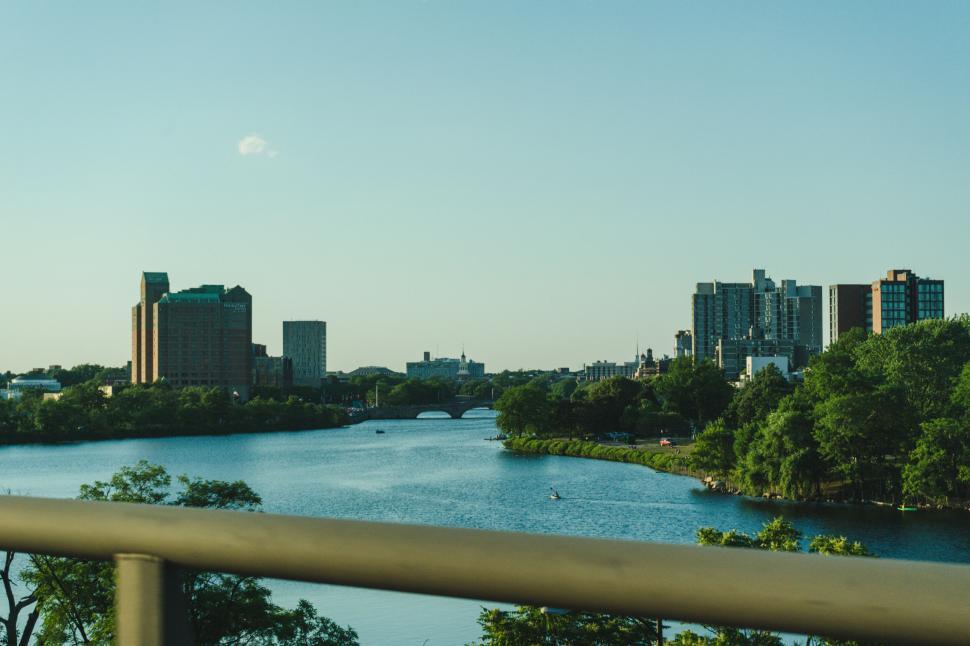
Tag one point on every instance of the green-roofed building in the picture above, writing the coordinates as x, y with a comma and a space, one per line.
201, 336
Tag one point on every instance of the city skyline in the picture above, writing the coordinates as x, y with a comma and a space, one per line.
544, 185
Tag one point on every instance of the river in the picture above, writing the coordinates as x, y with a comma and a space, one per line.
443, 472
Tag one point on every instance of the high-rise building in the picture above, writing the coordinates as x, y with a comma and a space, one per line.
153, 285
850, 306
756, 317
900, 298
305, 342
196, 337
683, 344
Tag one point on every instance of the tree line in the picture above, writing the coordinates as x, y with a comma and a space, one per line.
85, 412
878, 417
686, 396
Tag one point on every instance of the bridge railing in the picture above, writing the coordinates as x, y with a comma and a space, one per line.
854, 598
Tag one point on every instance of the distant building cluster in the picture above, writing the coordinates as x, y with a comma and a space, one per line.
462, 369
203, 336
734, 321
743, 327
19, 385
642, 367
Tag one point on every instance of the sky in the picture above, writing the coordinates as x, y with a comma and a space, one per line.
540, 182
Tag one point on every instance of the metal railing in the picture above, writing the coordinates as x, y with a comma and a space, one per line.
853, 598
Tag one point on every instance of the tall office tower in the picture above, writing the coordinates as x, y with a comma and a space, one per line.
903, 297
683, 344
784, 319
900, 298
197, 337
305, 342
153, 286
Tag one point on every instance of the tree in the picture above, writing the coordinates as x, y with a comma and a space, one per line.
862, 433
756, 399
961, 393
11, 625
697, 392
837, 546
530, 625
937, 467
75, 597
776, 535
563, 389
923, 359
725, 636
714, 449
782, 454
524, 410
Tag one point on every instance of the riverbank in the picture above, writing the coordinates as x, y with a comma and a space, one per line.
670, 461
657, 458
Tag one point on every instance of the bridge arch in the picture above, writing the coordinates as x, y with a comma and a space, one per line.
477, 410
434, 414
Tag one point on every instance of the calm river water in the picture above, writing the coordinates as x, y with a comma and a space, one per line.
443, 472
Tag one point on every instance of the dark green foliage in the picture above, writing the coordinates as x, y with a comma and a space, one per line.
525, 410
419, 391
837, 546
939, 466
75, 597
714, 449
924, 360
563, 389
589, 409
878, 417
695, 391
756, 399
777, 535
529, 626
84, 412
725, 636
477, 389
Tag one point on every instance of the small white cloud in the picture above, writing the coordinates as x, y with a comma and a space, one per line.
253, 145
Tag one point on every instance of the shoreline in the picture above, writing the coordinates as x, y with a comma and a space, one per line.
5, 442
675, 464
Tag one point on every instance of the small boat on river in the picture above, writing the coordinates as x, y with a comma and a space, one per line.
555, 495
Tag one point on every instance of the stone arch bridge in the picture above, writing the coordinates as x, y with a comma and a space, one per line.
455, 409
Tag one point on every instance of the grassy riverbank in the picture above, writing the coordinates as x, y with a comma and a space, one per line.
671, 460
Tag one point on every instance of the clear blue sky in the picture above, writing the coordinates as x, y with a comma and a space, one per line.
543, 181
